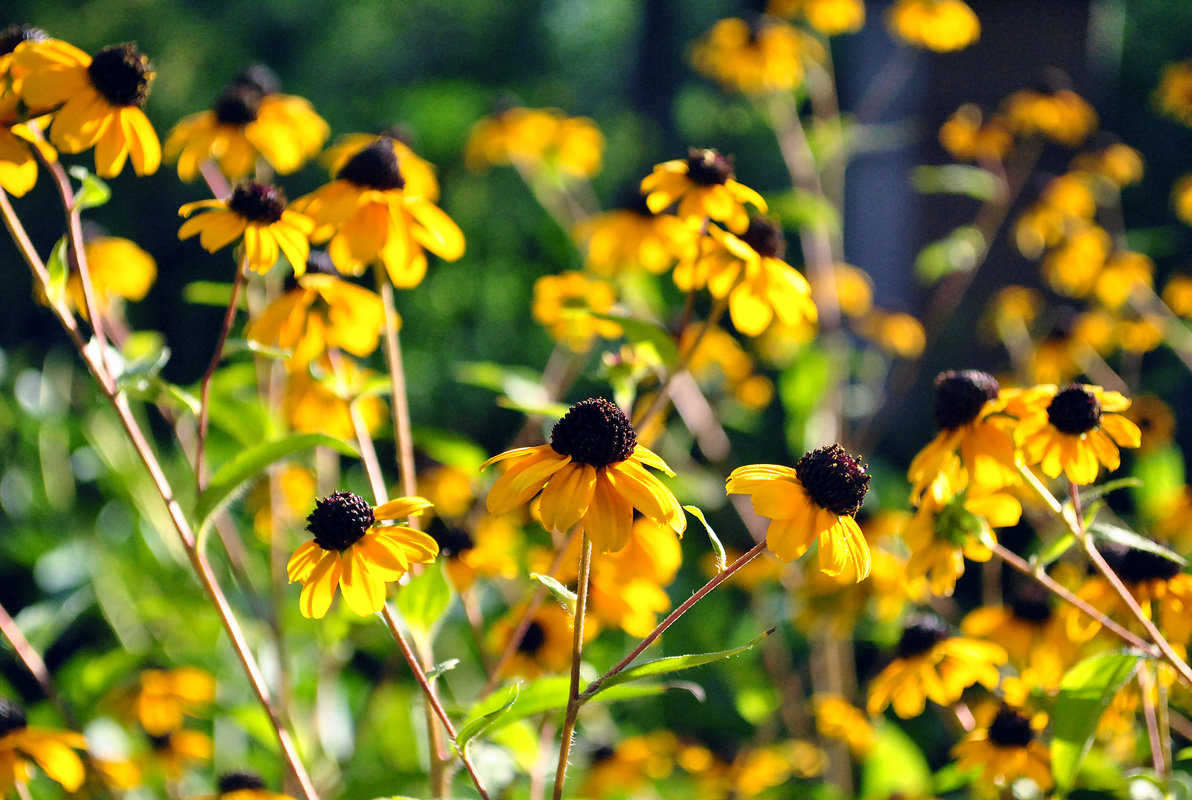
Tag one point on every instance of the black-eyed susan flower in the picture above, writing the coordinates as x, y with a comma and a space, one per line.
12, 36
118, 268
837, 718
749, 270
418, 173
244, 786
703, 186
758, 57
537, 139
968, 406
938, 25
544, 648
319, 398
18, 163
368, 217
51, 750
175, 752
350, 551
257, 212
163, 697
247, 122
634, 237
829, 17
1052, 111
571, 306
319, 311
593, 472
491, 550
630, 766
1030, 630
1005, 747
1075, 430
1159, 585
817, 499
96, 101
933, 665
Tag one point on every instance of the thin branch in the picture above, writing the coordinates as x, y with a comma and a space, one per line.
216, 357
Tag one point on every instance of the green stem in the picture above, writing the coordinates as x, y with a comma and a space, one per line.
577, 643
216, 357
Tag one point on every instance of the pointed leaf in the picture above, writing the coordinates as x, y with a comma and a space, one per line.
59, 271
211, 293
1085, 692
424, 599
663, 666
565, 596
92, 192
441, 667
485, 721
1051, 552
717, 547
1103, 531
975, 182
639, 332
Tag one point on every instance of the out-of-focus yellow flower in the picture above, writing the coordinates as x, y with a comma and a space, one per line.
703, 186
837, 718
491, 550
939, 25
720, 360
1154, 419
1031, 632
319, 401
1140, 333
10, 37
1173, 95
895, 332
1075, 430
1181, 199
754, 58
1177, 294
1060, 115
178, 750
53, 751
449, 487
536, 137
1006, 747
628, 585
257, 214
544, 648
968, 136
635, 237
1066, 205
1017, 305
568, 306
1124, 273
1117, 162
854, 290
829, 17
118, 268
18, 163
296, 494
1073, 267
635, 762
164, 696
418, 173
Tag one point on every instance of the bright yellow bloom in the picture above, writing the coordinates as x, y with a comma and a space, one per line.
592, 472
829, 17
96, 101
568, 306
1177, 293
1158, 584
1006, 747
1140, 333
703, 186
545, 647
537, 138
247, 122
1075, 430
318, 399
968, 136
164, 696
837, 718
351, 551
1173, 95
759, 58
118, 268
1181, 199
932, 665
1124, 274
623, 770
749, 269
817, 499
1060, 115
895, 332
1073, 267
939, 25
634, 237
369, 217
320, 312
18, 163
51, 750
1031, 632
490, 550
257, 212
417, 172
1117, 162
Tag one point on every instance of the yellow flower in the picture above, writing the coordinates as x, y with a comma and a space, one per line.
1007, 748
321, 311
417, 172
592, 471
1115, 161
759, 58
179, 749
96, 101
854, 290
164, 696
1177, 294
536, 138
636, 760
896, 332
257, 212
837, 718
369, 217
51, 750
939, 25
568, 304
829, 17
490, 551
1073, 267
932, 665
703, 186
1125, 273
318, 399
634, 237
1173, 95
968, 136
1058, 114
545, 647
1076, 431
1066, 205
1154, 419
18, 164
1158, 584
10, 37
818, 498
749, 270
1181, 199
1031, 632
351, 551
247, 121
118, 268
244, 786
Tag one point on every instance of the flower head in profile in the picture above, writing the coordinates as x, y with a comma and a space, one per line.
18, 161
249, 120
349, 550
96, 101
634, 237
118, 268
758, 57
592, 471
1005, 746
1075, 430
817, 499
258, 213
933, 665
244, 785
418, 173
569, 305
703, 186
938, 25
368, 217
52, 751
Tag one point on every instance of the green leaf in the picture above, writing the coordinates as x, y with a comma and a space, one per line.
487, 720
1161, 476
664, 666
717, 547
211, 293
144, 354
806, 210
250, 463
565, 596
522, 388
59, 271
641, 332
1053, 550
956, 179
959, 251
1085, 692
424, 599
1090, 493
1103, 531
92, 192
441, 667
895, 765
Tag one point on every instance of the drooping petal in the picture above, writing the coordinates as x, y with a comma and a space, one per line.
319, 588
609, 521
566, 497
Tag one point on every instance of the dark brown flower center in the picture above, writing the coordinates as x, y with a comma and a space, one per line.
236, 781
12, 717
602, 753
1029, 604
834, 479
959, 396
452, 541
1074, 410
532, 640
707, 167
1011, 729
159, 743
374, 167
13, 35
594, 432
765, 237
920, 636
258, 202
1136, 566
339, 520
635, 201
121, 74
238, 105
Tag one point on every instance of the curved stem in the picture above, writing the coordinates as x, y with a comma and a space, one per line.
577, 645
216, 357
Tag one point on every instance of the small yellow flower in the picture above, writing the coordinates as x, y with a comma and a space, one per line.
817, 499
829, 17
177, 750
350, 551
1181, 199
1075, 430
51, 750
537, 138
1177, 294
545, 647
417, 172
164, 696
837, 718
491, 550
257, 212
1005, 748
759, 58
634, 237
938, 25
703, 186
568, 304
854, 290
895, 332
118, 268
1032, 633
319, 397
968, 136
1173, 95
1124, 274
1058, 114
96, 101
1073, 267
